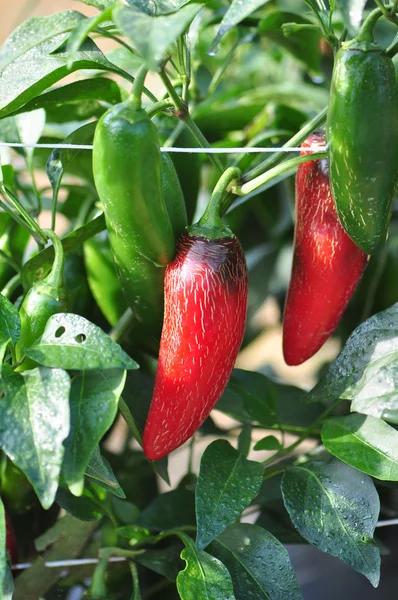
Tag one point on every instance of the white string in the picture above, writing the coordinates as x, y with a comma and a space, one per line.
77, 562
171, 149
72, 562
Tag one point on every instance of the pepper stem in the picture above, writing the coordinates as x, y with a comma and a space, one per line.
56, 276
366, 31
138, 87
220, 199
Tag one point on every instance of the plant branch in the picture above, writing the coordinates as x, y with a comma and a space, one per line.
296, 140
183, 114
24, 217
250, 186
158, 107
289, 449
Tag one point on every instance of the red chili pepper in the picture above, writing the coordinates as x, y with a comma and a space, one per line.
327, 265
11, 543
204, 321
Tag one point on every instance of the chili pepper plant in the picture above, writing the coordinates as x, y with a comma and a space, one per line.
194, 196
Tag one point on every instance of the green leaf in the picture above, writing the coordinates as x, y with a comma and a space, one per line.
153, 36
227, 484
10, 323
34, 32
99, 471
100, 4
245, 440
258, 393
365, 443
165, 562
3, 552
137, 396
235, 14
336, 509
85, 507
69, 536
252, 396
384, 403
82, 30
94, 400
270, 442
45, 64
159, 7
366, 366
40, 265
8, 585
258, 563
84, 97
60, 158
352, 12
172, 510
76, 344
34, 417
204, 577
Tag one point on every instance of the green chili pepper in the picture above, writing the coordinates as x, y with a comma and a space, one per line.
173, 196
44, 299
128, 175
102, 277
362, 133
78, 297
188, 167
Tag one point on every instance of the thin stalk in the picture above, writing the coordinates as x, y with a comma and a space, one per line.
222, 68
393, 48
174, 134
202, 141
125, 321
295, 141
304, 436
21, 215
182, 113
158, 107
56, 276
29, 164
366, 30
382, 8
11, 286
136, 93
252, 185
136, 581
190, 455
371, 292
10, 261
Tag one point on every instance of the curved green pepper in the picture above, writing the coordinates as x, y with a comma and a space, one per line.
128, 175
188, 167
78, 297
173, 196
44, 299
362, 133
102, 277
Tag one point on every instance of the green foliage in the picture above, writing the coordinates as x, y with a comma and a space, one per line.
232, 74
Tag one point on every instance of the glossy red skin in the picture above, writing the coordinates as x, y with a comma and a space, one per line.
204, 322
11, 543
327, 265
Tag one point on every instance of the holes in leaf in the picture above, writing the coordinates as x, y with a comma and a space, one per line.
2, 394
60, 331
80, 338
